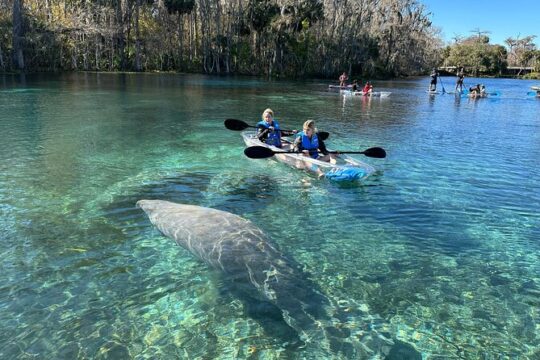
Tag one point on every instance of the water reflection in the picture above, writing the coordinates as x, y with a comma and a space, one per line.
441, 244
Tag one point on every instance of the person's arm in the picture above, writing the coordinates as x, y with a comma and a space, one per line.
262, 133
297, 145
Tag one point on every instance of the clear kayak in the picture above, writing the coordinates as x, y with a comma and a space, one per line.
361, 93
338, 87
345, 170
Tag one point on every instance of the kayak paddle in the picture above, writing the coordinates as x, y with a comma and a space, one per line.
238, 125
261, 152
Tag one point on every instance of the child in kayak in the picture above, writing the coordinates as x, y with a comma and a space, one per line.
268, 130
310, 145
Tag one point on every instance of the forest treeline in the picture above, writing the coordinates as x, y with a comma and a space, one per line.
478, 57
293, 38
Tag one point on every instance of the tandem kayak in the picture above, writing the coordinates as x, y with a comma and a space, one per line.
338, 87
345, 170
361, 93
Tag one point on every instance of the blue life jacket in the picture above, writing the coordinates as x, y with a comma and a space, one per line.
274, 137
310, 144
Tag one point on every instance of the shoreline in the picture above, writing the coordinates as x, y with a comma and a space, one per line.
535, 76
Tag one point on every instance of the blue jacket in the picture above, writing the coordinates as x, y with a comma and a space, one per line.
272, 137
312, 145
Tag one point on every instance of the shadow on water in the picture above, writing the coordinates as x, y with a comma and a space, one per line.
235, 193
267, 315
412, 218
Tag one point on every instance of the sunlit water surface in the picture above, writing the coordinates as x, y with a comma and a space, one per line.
440, 247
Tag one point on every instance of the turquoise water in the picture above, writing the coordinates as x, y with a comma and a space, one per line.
439, 248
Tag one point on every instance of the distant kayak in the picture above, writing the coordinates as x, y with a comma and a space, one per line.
537, 88
361, 93
337, 87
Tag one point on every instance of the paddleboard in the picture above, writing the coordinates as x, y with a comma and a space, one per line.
537, 88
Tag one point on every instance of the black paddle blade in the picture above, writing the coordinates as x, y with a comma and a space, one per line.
258, 152
234, 124
375, 152
323, 135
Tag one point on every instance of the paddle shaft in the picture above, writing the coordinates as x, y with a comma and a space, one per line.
368, 152
442, 85
261, 152
239, 125
258, 127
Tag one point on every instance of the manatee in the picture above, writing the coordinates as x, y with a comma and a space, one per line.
252, 263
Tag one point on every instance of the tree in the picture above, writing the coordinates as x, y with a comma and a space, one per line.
477, 55
18, 34
271, 37
521, 51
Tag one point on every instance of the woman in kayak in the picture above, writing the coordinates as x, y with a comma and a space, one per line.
268, 130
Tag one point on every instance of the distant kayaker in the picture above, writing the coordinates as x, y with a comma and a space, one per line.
473, 90
343, 79
310, 144
268, 130
368, 88
433, 84
478, 91
459, 82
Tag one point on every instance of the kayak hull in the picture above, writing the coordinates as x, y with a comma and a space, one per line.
346, 170
361, 93
338, 87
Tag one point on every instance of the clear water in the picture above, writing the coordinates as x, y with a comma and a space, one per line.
440, 247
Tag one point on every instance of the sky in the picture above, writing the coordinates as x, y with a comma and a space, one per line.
503, 19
